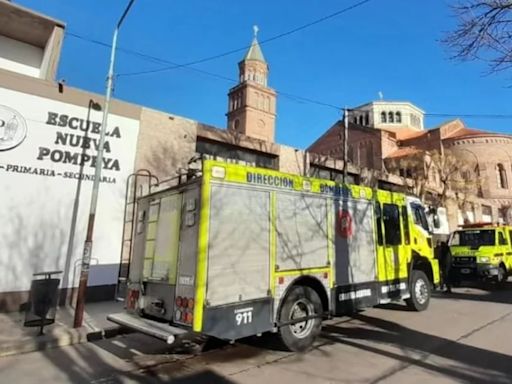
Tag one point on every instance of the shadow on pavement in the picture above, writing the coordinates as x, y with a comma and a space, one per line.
472, 291
203, 377
84, 364
396, 307
466, 363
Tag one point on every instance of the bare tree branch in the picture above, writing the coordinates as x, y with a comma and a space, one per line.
483, 32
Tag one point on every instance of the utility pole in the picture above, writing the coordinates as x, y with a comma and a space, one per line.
86, 256
345, 143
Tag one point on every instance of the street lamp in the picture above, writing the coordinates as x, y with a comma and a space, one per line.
72, 228
86, 256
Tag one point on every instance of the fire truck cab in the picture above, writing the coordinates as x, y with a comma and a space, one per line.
482, 251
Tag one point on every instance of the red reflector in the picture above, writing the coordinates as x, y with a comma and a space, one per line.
132, 297
178, 301
280, 280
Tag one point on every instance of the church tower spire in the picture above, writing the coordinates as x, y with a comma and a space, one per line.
252, 104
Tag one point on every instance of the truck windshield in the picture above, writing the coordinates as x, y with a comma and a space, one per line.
420, 218
474, 238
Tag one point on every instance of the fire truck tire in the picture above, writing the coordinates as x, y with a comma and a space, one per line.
502, 277
420, 290
301, 301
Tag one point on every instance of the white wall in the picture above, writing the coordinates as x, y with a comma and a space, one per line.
20, 57
37, 193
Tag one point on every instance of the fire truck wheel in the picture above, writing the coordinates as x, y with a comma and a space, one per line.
502, 277
420, 291
300, 302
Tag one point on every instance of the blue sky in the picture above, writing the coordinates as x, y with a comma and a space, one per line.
385, 45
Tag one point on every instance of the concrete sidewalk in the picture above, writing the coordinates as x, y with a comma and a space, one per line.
15, 338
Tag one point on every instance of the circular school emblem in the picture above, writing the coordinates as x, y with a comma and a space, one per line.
13, 128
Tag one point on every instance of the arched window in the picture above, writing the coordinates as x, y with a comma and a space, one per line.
391, 117
383, 118
398, 116
366, 119
501, 175
236, 124
361, 122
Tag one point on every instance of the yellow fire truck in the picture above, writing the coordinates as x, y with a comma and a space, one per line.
481, 251
240, 251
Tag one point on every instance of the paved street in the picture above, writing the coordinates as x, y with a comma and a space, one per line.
463, 337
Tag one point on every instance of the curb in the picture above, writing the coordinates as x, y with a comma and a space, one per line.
68, 337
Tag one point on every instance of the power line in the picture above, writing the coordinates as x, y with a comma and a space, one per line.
211, 74
290, 96
227, 53
471, 116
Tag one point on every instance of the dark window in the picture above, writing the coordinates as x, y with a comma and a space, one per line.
405, 222
473, 238
501, 239
224, 151
383, 118
320, 172
391, 218
366, 118
369, 155
502, 176
420, 218
391, 117
378, 223
398, 117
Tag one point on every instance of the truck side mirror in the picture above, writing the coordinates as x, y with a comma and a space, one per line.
437, 222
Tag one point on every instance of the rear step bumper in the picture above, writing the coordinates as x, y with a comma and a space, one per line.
153, 328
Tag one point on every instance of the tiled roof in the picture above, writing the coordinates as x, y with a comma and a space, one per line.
405, 151
404, 133
464, 132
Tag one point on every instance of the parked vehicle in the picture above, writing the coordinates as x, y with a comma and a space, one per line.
481, 251
240, 251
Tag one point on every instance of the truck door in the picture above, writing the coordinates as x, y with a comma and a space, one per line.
508, 253
391, 254
503, 246
159, 270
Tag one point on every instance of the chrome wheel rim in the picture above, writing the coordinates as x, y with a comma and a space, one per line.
421, 291
301, 308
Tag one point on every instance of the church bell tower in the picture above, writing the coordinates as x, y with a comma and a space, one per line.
252, 104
